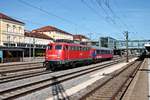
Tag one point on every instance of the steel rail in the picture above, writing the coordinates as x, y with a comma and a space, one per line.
48, 82
113, 76
28, 75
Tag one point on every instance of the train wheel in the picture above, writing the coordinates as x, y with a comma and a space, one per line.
74, 65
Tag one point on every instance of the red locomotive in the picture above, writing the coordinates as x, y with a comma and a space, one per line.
59, 54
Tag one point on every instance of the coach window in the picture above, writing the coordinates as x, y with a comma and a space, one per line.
69, 47
83, 48
75, 48
100, 51
86, 48
103, 52
58, 47
106, 52
80, 48
72, 47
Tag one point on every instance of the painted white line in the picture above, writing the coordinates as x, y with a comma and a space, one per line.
93, 79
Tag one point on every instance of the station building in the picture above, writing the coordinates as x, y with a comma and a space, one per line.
11, 34
54, 33
16, 43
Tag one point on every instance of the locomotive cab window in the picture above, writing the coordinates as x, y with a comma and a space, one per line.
58, 47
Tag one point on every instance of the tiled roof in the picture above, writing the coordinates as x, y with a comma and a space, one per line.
80, 37
37, 35
3, 16
50, 28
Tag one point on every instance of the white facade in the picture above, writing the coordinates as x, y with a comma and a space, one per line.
85, 40
32, 40
11, 32
58, 35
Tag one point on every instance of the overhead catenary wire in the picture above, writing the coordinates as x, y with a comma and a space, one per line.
107, 4
99, 15
115, 15
46, 12
111, 15
128, 25
52, 14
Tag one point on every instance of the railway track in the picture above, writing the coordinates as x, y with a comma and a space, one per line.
9, 69
28, 75
116, 85
26, 88
20, 68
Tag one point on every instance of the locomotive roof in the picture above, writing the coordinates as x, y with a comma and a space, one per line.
74, 44
70, 44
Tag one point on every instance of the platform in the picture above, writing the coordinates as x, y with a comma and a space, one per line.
139, 88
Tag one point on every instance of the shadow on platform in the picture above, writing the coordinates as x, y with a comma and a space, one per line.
58, 91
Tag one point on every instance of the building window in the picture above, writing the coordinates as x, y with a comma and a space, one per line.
8, 27
20, 29
14, 28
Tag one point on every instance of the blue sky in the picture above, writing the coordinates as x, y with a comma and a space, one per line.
108, 18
